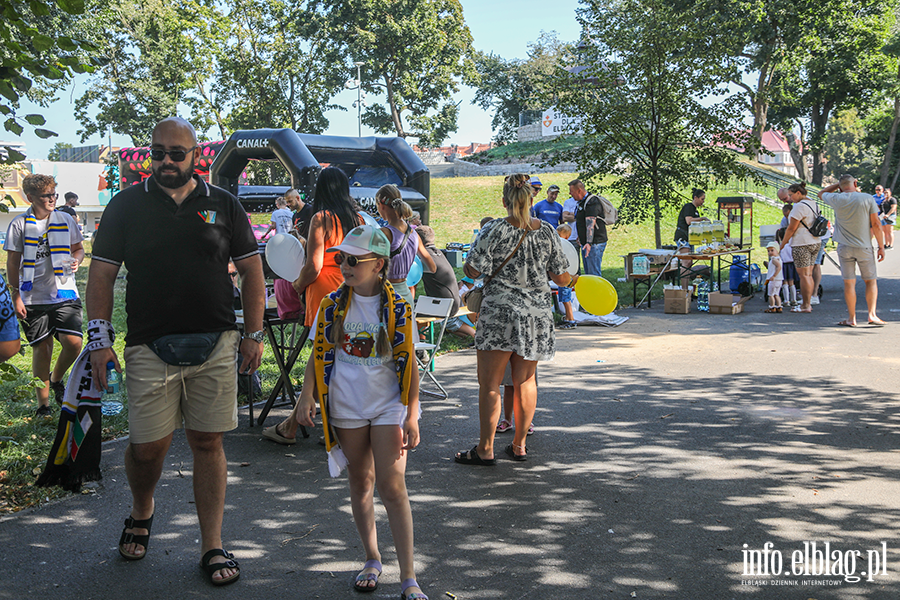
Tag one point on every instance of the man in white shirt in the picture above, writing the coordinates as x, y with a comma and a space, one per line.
856, 220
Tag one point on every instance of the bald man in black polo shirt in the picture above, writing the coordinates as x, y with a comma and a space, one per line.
175, 234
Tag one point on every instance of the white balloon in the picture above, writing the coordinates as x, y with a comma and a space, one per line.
285, 256
572, 254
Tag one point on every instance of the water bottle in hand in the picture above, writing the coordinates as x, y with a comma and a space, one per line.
111, 403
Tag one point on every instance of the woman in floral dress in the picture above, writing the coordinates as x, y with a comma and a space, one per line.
515, 324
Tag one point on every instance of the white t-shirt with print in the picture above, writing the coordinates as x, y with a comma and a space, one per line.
282, 219
363, 384
43, 289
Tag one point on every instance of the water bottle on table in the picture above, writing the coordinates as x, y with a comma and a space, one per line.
703, 296
111, 402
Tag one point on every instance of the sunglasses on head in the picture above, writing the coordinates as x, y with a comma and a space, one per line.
159, 154
352, 261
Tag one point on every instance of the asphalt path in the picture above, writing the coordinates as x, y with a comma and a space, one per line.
668, 452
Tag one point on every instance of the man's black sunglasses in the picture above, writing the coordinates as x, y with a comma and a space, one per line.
159, 154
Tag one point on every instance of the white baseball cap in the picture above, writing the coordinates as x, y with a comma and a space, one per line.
363, 240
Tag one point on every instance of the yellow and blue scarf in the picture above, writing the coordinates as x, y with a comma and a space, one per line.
60, 252
397, 317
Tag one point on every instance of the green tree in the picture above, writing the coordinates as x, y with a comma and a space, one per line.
416, 52
279, 65
152, 63
511, 87
37, 48
846, 148
643, 120
54, 152
840, 66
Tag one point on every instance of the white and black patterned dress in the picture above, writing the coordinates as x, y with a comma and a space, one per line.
516, 314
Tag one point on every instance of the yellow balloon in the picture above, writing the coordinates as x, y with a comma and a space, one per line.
596, 295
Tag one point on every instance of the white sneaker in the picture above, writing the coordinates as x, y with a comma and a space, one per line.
814, 300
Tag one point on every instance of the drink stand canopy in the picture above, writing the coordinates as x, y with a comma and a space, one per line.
739, 215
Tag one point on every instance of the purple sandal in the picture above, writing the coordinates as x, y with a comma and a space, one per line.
365, 578
408, 583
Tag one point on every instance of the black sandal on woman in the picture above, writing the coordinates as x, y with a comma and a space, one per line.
470, 457
131, 538
510, 451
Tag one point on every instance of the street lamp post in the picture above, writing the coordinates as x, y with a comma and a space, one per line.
357, 85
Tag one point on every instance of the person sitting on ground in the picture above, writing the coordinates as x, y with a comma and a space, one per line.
774, 278
565, 293
442, 283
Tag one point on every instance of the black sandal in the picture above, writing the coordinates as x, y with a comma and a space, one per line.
510, 452
470, 457
130, 538
212, 569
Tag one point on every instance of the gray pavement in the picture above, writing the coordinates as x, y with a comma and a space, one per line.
667, 450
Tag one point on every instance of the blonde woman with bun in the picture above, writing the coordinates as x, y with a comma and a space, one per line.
515, 325
405, 244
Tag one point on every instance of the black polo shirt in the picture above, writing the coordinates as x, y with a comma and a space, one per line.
176, 257
590, 206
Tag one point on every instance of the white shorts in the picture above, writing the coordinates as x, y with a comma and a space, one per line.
775, 287
393, 416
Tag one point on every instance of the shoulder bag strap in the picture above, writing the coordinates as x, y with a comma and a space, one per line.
815, 210
403, 243
503, 264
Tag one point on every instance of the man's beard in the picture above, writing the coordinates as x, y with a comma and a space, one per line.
170, 177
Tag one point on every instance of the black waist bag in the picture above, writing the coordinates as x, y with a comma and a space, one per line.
185, 349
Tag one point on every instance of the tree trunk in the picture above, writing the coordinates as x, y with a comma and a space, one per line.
889, 151
797, 156
760, 116
819, 120
395, 114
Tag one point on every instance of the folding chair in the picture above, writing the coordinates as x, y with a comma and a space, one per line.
431, 310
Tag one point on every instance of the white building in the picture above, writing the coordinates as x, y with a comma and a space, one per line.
85, 179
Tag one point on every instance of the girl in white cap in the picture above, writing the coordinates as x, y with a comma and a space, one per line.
363, 373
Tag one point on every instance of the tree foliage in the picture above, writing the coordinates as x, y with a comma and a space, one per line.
416, 52
840, 66
38, 54
511, 87
643, 119
279, 65
151, 58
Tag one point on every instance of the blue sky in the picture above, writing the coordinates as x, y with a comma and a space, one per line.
500, 26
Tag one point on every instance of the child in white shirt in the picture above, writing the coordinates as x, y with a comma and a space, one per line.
774, 278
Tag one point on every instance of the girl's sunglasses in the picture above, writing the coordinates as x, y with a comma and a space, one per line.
340, 257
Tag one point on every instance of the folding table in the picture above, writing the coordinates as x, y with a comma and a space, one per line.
286, 339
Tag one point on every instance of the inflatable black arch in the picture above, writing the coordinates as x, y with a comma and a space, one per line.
368, 161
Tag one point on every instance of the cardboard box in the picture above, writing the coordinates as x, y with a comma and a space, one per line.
726, 304
677, 302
